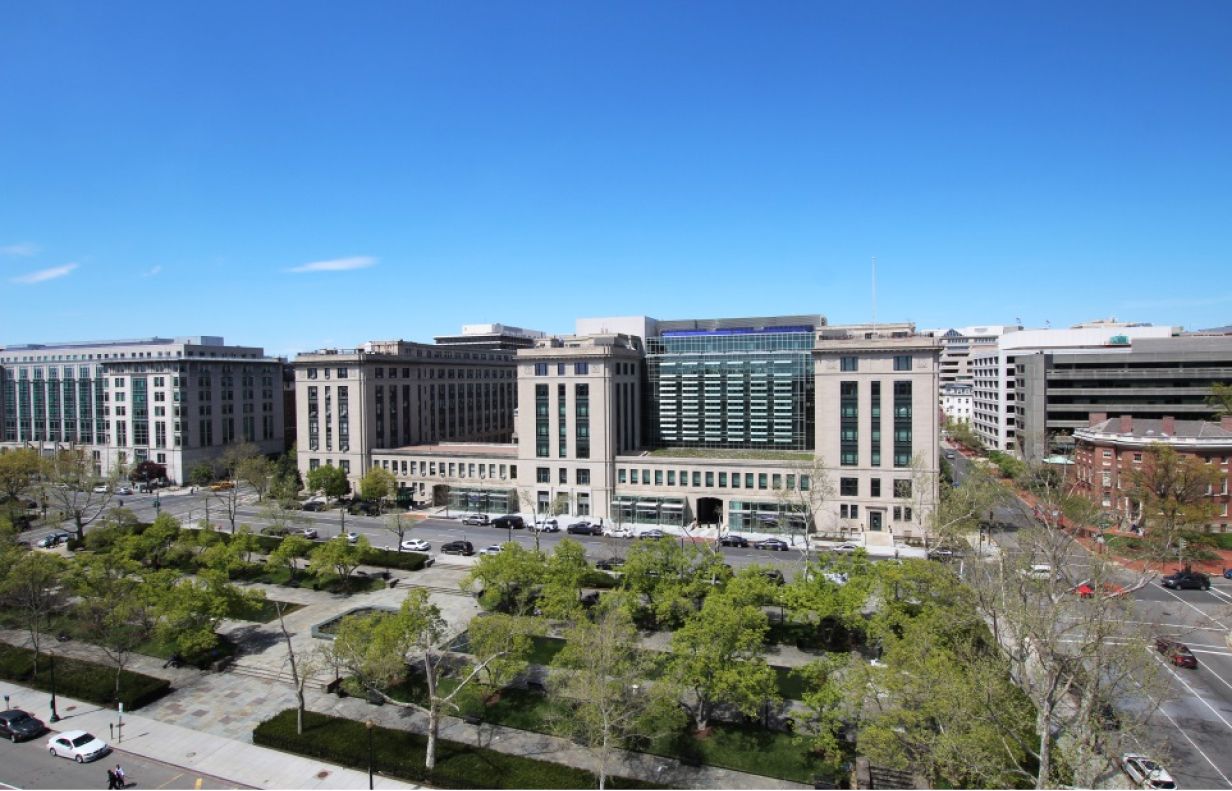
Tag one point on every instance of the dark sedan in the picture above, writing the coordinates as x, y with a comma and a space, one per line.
458, 548
1176, 653
732, 540
772, 544
17, 725
584, 529
1187, 580
611, 564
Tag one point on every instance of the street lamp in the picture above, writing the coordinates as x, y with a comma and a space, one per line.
370, 725
55, 716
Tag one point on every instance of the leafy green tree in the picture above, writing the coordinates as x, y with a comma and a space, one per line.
256, 471
153, 546
515, 573
286, 483
563, 579
375, 650
202, 474
111, 607
717, 658
190, 609
290, 551
600, 680
19, 470
32, 588
1172, 495
329, 480
377, 484
1221, 398
668, 581
339, 556
831, 595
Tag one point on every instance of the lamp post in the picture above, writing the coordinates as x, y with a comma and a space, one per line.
55, 716
369, 724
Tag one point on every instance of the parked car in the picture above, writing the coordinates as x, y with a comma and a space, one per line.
949, 454
312, 505
734, 540
458, 548
100, 488
1038, 571
352, 537
584, 528
52, 540
653, 532
548, 526
611, 564
848, 547
222, 486
772, 544
1227, 574
416, 545
509, 521
774, 576
619, 531
1145, 772
310, 533
1187, 580
490, 550
364, 508
17, 725
479, 520
1175, 652
81, 746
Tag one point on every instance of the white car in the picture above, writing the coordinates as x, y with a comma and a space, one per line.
492, 550
100, 489
548, 526
619, 532
352, 537
416, 545
1145, 772
124, 490
848, 547
78, 745
310, 533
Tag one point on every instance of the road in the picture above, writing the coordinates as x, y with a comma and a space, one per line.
1195, 723
29, 765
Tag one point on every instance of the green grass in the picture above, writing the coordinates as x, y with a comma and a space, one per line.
401, 754
731, 453
263, 611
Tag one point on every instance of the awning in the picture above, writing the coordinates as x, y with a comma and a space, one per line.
672, 506
646, 504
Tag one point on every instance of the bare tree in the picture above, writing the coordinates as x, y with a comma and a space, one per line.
70, 485
303, 668
236, 460
805, 494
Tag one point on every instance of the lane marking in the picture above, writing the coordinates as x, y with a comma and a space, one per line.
1193, 607
1193, 744
1194, 693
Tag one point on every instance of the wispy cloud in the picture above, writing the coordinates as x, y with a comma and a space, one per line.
45, 274
336, 264
20, 250
152, 271
1179, 302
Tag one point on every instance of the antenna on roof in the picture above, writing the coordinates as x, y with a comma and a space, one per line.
874, 292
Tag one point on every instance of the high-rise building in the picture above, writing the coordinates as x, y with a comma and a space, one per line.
177, 402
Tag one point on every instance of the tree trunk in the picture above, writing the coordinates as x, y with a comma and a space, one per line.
1042, 725
702, 717
434, 723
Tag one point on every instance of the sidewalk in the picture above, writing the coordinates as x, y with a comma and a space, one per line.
245, 765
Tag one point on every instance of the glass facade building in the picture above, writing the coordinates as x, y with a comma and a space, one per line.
745, 387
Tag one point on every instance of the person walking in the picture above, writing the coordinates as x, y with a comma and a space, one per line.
111, 780
121, 780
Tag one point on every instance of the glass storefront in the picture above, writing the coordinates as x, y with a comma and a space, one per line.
485, 500
764, 517
648, 510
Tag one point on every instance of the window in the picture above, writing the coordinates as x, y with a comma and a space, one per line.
312, 374
735, 480
842, 510
541, 369
849, 415
804, 483
776, 481
874, 487
581, 368
761, 480
902, 362
722, 480
543, 475
583, 476
671, 477
902, 488
791, 482
633, 476
621, 476
697, 478
748, 480
709, 480
563, 475
658, 477
902, 424
848, 364
849, 487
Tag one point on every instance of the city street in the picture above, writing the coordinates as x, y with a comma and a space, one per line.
29, 765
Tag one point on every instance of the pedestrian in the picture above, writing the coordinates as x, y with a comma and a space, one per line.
121, 781
111, 780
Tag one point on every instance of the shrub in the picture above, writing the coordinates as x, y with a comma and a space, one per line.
393, 559
77, 678
401, 754
599, 579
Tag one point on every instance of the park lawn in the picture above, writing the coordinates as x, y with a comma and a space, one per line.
263, 611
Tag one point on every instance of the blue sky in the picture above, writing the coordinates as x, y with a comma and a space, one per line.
166, 167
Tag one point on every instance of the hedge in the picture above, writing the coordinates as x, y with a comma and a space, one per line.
393, 559
77, 678
401, 754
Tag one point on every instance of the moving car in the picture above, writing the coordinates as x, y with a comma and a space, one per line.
492, 550
1227, 574
619, 532
772, 544
479, 520
416, 545
313, 505
1177, 653
222, 486
458, 548
81, 746
16, 725
100, 488
1107, 590
848, 546
611, 564
352, 537
310, 533
734, 540
653, 532
124, 490
1145, 772
584, 528
548, 526
1187, 580
52, 540
509, 521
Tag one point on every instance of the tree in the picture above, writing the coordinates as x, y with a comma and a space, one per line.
804, 496
236, 459
717, 657
1171, 492
153, 546
256, 471
32, 588
147, 471
290, 551
202, 474
563, 578
599, 677
19, 469
282, 518
1221, 398
375, 648
377, 484
191, 609
329, 480
112, 606
671, 580
397, 525
68, 483
515, 574
340, 557
303, 668
286, 483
